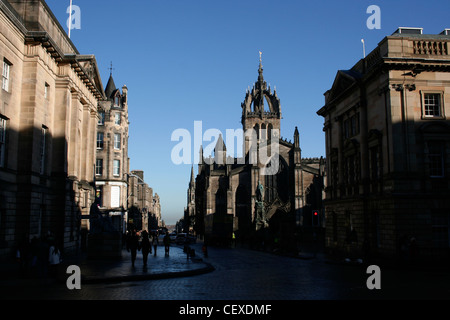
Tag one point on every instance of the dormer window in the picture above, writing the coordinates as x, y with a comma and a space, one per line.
116, 101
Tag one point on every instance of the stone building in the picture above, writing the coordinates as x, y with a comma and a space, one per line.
112, 162
48, 120
387, 147
189, 211
144, 207
261, 194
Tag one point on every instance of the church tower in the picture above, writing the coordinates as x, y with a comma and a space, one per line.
261, 110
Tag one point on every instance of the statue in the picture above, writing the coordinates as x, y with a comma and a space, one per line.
260, 216
260, 192
98, 223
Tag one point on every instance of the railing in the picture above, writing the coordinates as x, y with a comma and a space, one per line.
439, 48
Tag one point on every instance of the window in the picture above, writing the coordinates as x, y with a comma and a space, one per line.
116, 168
354, 124
2, 142
100, 139
43, 149
350, 126
432, 105
6, 75
436, 158
117, 141
99, 167
115, 196
101, 120
117, 118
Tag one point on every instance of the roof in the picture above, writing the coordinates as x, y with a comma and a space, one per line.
110, 87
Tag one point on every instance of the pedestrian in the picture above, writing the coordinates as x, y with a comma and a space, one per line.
145, 246
133, 245
167, 243
155, 242
54, 258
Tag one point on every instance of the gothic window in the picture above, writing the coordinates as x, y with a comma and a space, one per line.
269, 132
257, 131
263, 132
277, 185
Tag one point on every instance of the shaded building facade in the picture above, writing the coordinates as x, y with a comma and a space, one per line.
387, 146
48, 119
144, 207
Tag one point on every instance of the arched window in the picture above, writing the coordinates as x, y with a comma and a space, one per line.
269, 132
277, 185
263, 132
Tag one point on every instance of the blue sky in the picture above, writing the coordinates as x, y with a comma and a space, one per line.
192, 60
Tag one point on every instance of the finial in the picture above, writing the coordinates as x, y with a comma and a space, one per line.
111, 69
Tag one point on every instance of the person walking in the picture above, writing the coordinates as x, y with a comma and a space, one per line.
167, 243
155, 242
54, 258
145, 246
132, 245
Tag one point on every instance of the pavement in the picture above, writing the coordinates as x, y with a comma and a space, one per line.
161, 266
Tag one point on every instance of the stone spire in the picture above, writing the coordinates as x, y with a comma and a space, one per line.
192, 182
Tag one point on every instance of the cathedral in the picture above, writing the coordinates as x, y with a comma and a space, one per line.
268, 193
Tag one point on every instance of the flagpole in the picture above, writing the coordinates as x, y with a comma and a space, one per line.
70, 18
364, 48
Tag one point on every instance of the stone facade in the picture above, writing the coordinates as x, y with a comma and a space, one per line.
262, 194
112, 162
48, 116
387, 146
144, 207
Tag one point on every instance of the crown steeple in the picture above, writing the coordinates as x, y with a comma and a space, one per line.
261, 109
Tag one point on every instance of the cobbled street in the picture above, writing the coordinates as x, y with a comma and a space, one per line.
244, 274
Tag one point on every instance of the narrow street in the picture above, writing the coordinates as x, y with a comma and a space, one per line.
244, 274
